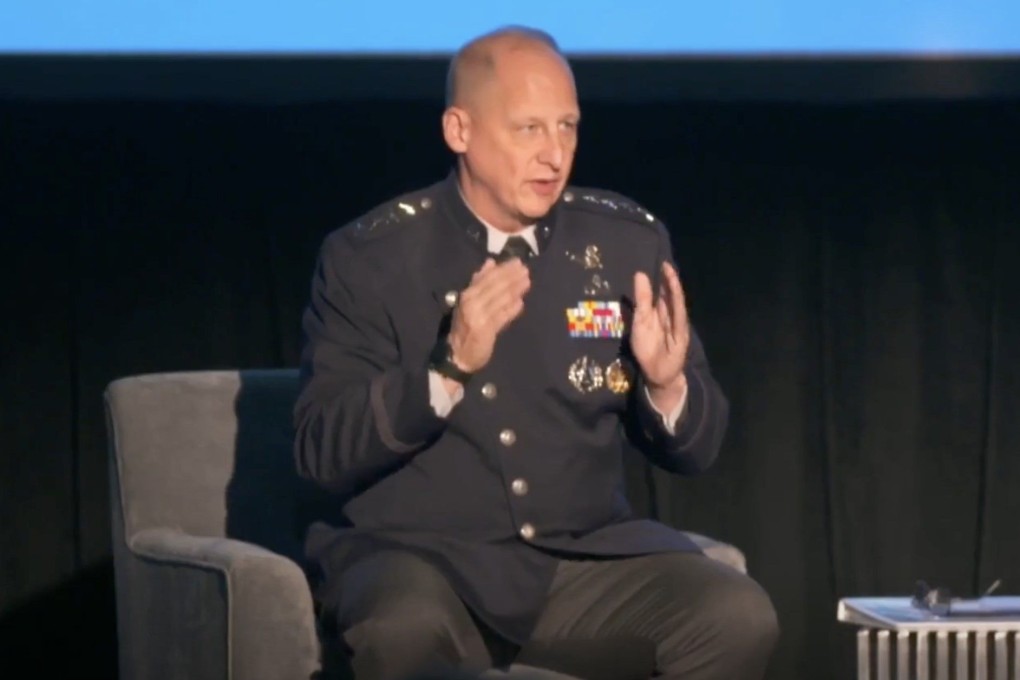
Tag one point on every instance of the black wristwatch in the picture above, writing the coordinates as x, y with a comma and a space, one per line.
441, 361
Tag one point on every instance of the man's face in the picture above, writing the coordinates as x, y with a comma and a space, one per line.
523, 135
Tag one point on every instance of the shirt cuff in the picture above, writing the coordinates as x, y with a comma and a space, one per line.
669, 420
442, 401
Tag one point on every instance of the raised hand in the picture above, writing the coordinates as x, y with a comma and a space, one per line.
660, 335
493, 299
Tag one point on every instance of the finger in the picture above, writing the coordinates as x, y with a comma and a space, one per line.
502, 308
495, 272
483, 308
510, 276
672, 282
502, 316
479, 274
498, 289
642, 294
488, 275
509, 295
486, 266
662, 310
677, 299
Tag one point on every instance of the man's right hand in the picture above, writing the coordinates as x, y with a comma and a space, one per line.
494, 298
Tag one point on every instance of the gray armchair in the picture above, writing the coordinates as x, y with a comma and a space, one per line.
207, 517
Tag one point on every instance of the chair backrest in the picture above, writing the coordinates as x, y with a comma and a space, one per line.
209, 453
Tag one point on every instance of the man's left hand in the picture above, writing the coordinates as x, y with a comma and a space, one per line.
659, 337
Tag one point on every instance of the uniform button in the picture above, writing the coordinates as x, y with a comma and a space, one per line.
519, 486
568, 196
489, 391
450, 298
426, 203
527, 531
507, 437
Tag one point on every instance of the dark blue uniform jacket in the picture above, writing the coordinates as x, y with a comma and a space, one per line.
528, 466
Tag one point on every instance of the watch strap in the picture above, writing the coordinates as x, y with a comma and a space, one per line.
441, 361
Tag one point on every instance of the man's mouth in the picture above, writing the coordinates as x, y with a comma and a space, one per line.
545, 187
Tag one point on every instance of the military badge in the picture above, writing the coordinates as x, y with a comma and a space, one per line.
595, 319
590, 259
597, 286
616, 378
586, 375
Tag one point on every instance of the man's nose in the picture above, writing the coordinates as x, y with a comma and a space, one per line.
552, 152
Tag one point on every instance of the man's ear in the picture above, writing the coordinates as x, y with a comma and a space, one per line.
456, 129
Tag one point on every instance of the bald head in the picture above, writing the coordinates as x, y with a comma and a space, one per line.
474, 66
511, 117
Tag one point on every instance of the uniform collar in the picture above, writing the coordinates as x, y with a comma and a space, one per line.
486, 236
497, 238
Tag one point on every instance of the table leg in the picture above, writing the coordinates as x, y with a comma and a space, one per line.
942, 655
903, 655
962, 643
923, 664
1016, 654
864, 654
981, 656
1001, 656
882, 657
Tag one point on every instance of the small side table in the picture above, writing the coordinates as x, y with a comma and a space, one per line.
978, 641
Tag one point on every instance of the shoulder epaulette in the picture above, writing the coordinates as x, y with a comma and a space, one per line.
607, 203
387, 217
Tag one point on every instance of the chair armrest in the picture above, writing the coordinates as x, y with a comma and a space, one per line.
717, 550
254, 617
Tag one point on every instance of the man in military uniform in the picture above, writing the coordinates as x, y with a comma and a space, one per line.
479, 356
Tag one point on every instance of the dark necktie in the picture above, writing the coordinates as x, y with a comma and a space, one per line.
517, 247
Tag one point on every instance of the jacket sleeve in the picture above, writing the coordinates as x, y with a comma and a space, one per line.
702, 425
700, 429
360, 412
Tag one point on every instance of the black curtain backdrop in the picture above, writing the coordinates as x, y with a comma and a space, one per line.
853, 269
